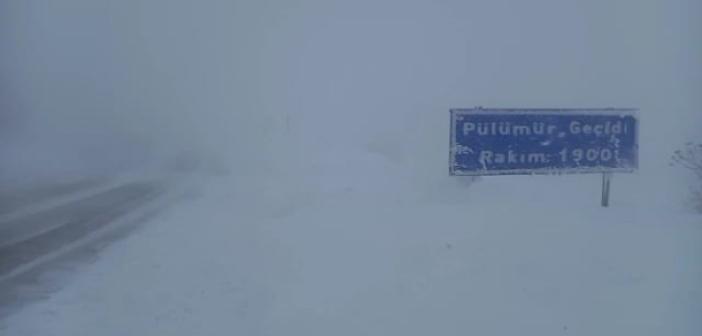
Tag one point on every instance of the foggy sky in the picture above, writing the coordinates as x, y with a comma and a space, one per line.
295, 87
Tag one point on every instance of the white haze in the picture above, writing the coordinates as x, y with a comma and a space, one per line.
299, 91
325, 126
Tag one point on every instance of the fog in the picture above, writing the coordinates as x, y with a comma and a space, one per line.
299, 90
279, 167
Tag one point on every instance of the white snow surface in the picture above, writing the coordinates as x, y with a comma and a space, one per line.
339, 217
520, 255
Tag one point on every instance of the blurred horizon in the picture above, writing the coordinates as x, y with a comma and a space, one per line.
280, 89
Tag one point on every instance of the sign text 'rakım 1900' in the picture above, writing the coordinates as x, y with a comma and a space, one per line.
543, 141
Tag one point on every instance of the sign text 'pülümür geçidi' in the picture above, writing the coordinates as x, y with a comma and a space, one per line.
578, 128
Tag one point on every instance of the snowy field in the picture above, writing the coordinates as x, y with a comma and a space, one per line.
317, 136
505, 256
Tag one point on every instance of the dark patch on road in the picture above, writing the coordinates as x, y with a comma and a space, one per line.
113, 214
16, 198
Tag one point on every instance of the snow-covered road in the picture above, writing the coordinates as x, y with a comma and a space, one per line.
508, 255
53, 231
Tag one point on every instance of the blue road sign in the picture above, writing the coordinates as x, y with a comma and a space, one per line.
543, 141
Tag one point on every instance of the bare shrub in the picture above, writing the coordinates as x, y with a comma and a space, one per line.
690, 157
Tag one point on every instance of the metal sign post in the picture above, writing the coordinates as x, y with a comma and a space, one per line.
544, 141
606, 181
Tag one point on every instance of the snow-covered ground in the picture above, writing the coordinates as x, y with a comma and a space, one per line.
338, 217
523, 255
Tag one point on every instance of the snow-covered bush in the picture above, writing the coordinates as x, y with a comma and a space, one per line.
690, 157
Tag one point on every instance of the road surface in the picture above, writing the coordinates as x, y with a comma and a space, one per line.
52, 229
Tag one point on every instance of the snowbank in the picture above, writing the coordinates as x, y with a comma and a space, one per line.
511, 255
